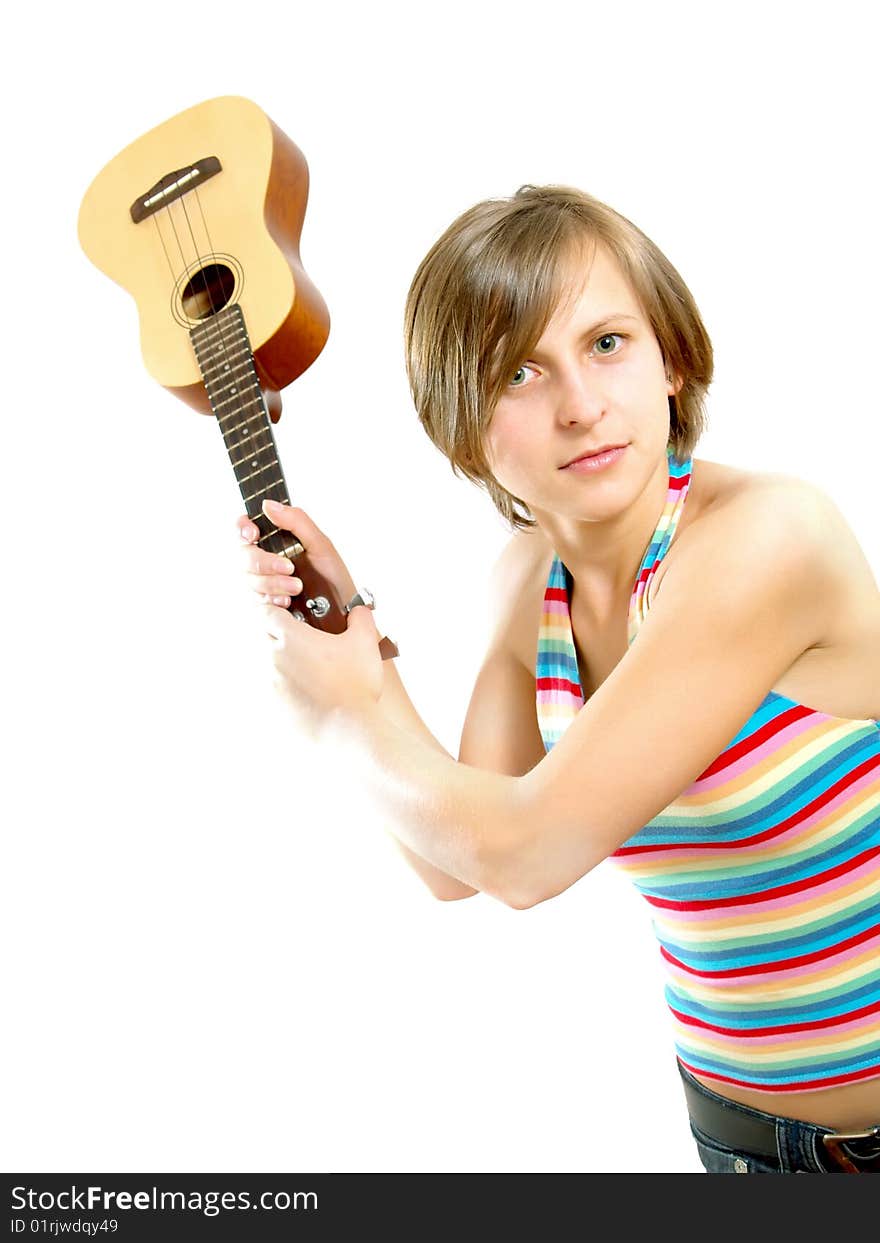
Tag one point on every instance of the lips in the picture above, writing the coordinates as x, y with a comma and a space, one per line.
591, 453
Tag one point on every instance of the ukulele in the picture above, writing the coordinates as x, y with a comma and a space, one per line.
200, 221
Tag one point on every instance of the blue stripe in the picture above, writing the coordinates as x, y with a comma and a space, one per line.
842, 1005
665, 829
710, 887
776, 951
821, 1070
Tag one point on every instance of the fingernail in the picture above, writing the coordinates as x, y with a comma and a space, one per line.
272, 504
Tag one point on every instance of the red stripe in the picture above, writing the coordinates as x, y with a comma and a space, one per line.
767, 895
556, 593
833, 1081
767, 968
828, 795
782, 1028
558, 684
757, 739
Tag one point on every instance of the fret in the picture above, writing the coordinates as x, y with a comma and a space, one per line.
247, 441
244, 353
227, 330
252, 456
245, 447
263, 496
236, 373
249, 444
236, 395
254, 473
223, 352
259, 457
210, 333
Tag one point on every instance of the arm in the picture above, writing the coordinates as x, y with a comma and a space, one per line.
500, 731
397, 706
753, 589
502, 698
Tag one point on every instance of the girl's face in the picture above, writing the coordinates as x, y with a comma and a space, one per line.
595, 378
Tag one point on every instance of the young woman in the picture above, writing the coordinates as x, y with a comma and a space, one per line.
728, 761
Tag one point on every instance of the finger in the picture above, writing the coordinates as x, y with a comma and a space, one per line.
248, 530
280, 626
276, 584
298, 522
260, 561
362, 622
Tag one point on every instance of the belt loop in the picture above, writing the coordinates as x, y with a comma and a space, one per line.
788, 1146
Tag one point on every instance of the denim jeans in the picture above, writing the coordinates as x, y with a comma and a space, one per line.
799, 1145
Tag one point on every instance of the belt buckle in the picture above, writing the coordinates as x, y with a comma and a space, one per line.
834, 1143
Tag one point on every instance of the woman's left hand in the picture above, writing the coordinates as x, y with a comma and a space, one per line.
322, 676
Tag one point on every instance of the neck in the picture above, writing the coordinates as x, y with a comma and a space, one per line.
603, 554
223, 352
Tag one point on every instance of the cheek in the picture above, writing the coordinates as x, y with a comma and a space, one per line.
510, 448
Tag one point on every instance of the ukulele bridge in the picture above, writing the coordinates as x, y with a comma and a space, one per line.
173, 186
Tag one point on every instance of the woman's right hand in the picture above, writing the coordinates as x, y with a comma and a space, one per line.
274, 577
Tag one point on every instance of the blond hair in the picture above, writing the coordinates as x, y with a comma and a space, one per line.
486, 290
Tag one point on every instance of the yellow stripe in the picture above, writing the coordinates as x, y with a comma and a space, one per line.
760, 1051
779, 991
700, 860
796, 916
786, 760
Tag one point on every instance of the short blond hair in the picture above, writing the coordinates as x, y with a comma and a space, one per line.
484, 294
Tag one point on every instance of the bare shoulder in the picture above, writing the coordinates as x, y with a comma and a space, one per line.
784, 507
725, 489
773, 516
517, 584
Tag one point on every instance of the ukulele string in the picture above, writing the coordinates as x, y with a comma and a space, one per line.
255, 450
155, 220
196, 268
198, 265
258, 450
244, 434
268, 448
175, 279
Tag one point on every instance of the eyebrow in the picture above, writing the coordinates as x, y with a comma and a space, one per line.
613, 318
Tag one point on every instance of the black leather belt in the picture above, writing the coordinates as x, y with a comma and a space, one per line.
737, 1128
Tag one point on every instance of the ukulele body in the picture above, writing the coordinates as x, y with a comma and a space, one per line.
233, 239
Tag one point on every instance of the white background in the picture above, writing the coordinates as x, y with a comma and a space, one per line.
215, 959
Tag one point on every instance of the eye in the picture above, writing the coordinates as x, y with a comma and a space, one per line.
609, 336
520, 376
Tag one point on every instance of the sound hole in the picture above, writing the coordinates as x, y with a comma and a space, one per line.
208, 291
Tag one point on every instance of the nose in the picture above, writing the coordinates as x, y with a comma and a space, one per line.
580, 398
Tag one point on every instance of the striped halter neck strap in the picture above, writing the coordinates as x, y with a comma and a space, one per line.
679, 485
558, 683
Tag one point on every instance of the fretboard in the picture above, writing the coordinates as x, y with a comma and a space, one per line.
223, 352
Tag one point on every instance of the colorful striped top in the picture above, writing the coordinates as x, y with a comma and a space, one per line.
763, 876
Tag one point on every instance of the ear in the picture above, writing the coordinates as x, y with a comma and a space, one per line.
674, 382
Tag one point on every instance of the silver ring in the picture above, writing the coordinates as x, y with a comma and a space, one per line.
363, 596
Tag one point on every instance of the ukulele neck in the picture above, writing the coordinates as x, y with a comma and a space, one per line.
226, 362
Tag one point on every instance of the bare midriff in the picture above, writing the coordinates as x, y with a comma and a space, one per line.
854, 1107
